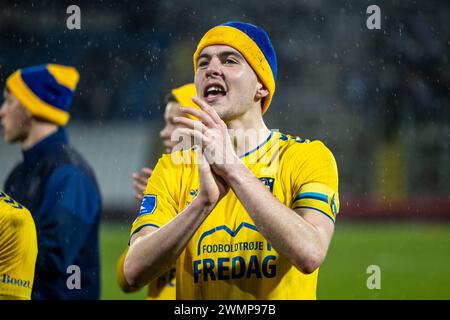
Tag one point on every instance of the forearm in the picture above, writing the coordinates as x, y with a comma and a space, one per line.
152, 254
290, 234
120, 276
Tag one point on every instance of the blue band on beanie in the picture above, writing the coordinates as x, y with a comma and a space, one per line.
44, 86
260, 37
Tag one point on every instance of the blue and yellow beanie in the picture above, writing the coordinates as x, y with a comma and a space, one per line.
253, 43
45, 90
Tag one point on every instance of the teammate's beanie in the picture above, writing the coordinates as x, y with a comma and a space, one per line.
184, 96
253, 43
45, 90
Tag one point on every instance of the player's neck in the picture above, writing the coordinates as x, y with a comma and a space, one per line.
38, 131
247, 132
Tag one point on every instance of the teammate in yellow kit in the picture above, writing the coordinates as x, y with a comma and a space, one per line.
253, 215
162, 288
18, 250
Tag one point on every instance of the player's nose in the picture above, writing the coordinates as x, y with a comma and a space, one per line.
214, 67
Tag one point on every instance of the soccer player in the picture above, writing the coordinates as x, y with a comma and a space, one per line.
18, 250
250, 218
162, 288
53, 181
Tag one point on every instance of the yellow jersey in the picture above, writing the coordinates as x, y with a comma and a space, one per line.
162, 288
18, 249
227, 257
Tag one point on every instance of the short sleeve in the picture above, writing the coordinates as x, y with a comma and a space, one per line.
18, 249
315, 181
158, 205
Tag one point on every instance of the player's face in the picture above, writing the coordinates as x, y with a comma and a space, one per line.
172, 111
14, 119
226, 81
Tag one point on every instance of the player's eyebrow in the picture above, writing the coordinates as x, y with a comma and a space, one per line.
222, 55
231, 53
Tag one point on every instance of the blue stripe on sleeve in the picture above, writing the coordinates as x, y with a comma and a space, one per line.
312, 195
139, 229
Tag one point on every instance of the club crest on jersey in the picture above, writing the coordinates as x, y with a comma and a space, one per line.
148, 205
268, 182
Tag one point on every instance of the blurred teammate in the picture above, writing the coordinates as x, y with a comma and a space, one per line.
53, 181
18, 250
162, 288
253, 221
179, 97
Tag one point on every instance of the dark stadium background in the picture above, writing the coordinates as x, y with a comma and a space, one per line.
378, 98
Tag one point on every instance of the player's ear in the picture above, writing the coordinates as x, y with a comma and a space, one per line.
261, 91
25, 113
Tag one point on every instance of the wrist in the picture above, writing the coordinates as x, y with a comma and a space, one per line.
235, 173
202, 205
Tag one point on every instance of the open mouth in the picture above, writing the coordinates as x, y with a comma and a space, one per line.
214, 92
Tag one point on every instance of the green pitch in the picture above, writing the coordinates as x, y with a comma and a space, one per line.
414, 261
